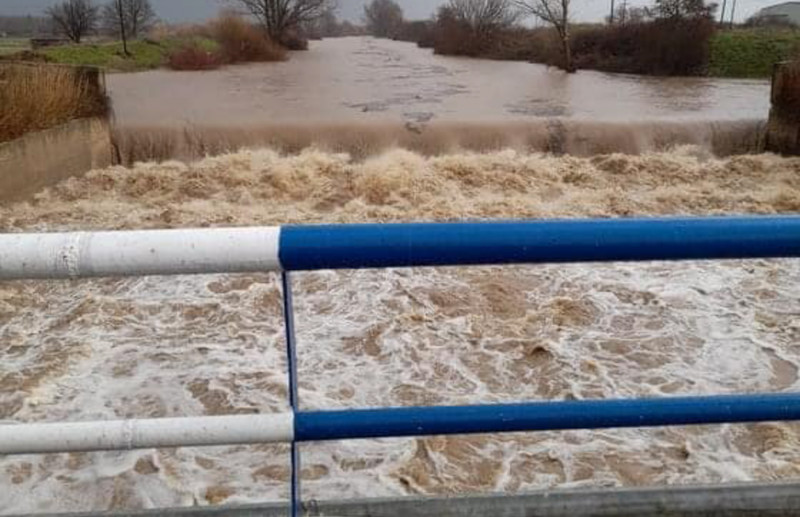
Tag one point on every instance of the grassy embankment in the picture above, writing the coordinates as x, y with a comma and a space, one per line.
13, 45
145, 55
226, 40
751, 52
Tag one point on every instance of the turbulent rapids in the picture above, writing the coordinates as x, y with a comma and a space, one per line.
189, 346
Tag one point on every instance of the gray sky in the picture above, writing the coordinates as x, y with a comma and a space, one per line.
195, 10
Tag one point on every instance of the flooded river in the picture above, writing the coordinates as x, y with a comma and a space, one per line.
371, 80
364, 96
107, 349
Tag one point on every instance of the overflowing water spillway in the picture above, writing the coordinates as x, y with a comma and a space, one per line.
364, 96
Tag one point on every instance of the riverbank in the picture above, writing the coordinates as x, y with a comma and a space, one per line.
752, 52
228, 39
142, 54
647, 48
38, 96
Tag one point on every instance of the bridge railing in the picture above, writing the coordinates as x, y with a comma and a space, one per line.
306, 248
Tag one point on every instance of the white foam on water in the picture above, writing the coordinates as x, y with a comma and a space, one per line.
186, 346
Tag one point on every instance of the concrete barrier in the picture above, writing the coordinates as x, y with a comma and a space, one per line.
44, 158
783, 129
744, 500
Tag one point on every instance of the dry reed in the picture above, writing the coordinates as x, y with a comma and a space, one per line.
241, 41
37, 97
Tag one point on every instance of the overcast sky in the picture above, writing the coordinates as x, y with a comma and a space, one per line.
195, 10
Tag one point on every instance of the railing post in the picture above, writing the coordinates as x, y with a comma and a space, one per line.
291, 354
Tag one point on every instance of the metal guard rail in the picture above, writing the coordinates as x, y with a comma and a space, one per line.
298, 248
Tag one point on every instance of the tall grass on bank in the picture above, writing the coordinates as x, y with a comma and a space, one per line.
241, 41
235, 41
37, 97
193, 57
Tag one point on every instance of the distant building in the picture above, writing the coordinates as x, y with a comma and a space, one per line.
787, 13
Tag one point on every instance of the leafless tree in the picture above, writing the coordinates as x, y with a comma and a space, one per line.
326, 26
138, 16
556, 13
680, 9
280, 17
485, 17
114, 17
74, 18
384, 18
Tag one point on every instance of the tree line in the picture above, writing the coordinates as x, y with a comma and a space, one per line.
127, 19
633, 37
479, 27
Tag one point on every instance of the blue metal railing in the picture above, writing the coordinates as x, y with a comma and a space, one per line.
305, 248
414, 245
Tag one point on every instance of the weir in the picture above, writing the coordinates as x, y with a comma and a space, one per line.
304, 248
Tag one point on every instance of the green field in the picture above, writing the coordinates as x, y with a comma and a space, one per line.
145, 55
13, 45
752, 52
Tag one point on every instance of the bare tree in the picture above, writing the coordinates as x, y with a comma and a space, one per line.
326, 26
128, 18
74, 18
280, 17
384, 18
485, 17
680, 9
140, 16
556, 13
114, 18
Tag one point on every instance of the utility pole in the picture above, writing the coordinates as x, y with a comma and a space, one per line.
611, 18
733, 12
722, 16
624, 12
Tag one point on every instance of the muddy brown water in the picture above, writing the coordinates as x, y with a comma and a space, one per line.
363, 95
186, 346
209, 345
370, 80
